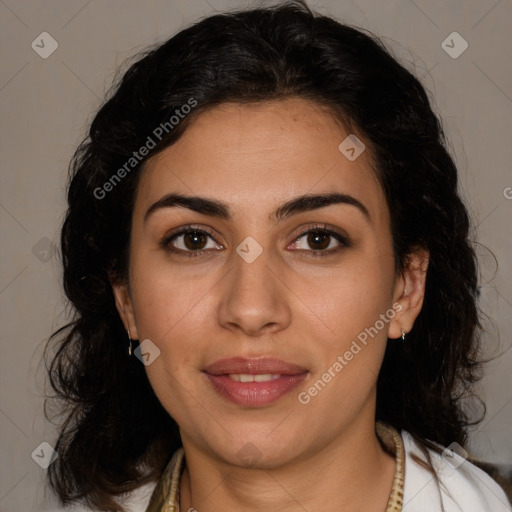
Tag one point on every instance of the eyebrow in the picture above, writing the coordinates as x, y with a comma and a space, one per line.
221, 210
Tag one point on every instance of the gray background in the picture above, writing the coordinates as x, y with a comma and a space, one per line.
47, 103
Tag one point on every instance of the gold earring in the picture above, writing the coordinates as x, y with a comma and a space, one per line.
130, 345
403, 334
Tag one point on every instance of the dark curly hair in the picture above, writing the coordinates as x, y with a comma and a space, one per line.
116, 436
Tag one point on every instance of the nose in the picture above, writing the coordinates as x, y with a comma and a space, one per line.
254, 298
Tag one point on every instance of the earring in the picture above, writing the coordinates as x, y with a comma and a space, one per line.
130, 345
403, 334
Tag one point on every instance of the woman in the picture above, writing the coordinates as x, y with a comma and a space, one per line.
273, 283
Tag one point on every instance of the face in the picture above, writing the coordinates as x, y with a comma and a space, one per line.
270, 321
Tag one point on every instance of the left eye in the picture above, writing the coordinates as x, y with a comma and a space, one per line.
320, 241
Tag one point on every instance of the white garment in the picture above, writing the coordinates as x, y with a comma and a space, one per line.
464, 487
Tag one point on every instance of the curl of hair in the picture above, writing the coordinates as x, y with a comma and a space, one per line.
116, 435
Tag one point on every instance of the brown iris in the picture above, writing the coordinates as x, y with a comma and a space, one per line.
194, 240
318, 240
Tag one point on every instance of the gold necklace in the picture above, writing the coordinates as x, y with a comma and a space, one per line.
393, 440
166, 496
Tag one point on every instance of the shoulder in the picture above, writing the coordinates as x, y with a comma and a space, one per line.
462, 487
138, 500
153, 496
134, 501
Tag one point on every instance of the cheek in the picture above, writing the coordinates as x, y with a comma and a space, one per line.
165, 297
348, 360
351, 297
171, 311
179, 396
355, 308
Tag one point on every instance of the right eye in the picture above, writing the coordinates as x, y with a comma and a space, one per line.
190, 241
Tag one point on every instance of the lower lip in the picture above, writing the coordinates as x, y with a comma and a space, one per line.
255, 394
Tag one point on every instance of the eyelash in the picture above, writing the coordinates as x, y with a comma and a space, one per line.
316, 228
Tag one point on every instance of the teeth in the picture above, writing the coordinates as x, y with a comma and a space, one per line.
266, 377
245, 377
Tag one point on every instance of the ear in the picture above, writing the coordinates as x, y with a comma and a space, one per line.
409, 291
124, 307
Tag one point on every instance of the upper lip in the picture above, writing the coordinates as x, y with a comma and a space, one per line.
253, 366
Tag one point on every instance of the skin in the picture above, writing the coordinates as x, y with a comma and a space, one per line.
286, 304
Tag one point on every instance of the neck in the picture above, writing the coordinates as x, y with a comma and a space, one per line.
336, 478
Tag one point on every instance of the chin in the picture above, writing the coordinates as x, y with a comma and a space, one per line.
259, 449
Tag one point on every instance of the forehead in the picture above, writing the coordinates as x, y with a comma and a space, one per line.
259, 155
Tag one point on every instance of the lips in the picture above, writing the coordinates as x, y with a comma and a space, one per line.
253, 366
254, 382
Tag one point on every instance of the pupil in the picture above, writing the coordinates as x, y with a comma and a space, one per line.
316, 238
